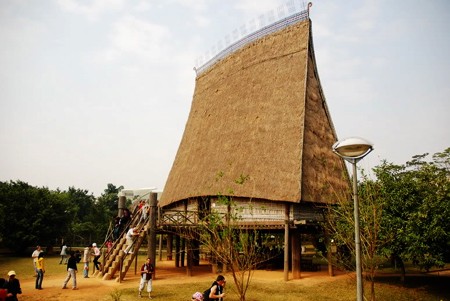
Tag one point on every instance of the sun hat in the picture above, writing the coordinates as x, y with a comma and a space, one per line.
10, 273
197, 296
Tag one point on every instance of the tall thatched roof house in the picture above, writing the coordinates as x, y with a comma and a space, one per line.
259, 111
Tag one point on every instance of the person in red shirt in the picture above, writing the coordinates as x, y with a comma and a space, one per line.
3, 291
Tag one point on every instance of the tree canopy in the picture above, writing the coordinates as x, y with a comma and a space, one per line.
36, 215
417, 209
404, 215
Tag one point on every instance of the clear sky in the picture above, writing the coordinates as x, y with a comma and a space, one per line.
99, 91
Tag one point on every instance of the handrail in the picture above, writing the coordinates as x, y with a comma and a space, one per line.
135, 215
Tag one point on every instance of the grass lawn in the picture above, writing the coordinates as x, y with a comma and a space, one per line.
266, 285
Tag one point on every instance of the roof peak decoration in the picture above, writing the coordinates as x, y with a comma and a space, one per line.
295, 13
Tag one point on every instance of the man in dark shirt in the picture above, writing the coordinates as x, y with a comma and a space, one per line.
71, 271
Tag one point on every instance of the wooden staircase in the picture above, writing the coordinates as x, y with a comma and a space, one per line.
117, 262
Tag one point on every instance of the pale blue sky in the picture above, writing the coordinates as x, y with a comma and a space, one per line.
98, 91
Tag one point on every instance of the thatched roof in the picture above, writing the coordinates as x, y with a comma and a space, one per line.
260, 112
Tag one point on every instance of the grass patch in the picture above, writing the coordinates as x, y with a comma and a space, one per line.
339, 290
419, 286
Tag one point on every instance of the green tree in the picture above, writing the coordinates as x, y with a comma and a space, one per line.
31, 215
404, 214
82, 210
110, 198
106, 208
417, 210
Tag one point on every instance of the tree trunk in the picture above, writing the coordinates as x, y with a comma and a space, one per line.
402, 268
372, 287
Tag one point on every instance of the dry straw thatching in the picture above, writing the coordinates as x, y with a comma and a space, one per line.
260, 112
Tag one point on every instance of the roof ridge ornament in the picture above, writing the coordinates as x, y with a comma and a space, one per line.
268, 24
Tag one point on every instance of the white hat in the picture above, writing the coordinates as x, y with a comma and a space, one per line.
197, 296
94, 244
10, 273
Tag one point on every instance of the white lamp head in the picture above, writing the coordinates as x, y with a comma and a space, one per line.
353, 148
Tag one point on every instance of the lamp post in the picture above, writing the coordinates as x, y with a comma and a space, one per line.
352, 150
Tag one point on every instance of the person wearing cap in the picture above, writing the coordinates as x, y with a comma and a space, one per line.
97, 255
197, 296
13, 287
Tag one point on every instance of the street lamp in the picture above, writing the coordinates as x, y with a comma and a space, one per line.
352, 150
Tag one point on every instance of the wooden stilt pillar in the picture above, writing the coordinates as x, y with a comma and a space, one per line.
195, 253
177, 251
189, 259
182, 251
286, 242
160, 247
169, 246
183, 240
296, 250
121, 205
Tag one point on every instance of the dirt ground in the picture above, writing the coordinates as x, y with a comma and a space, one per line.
166, 273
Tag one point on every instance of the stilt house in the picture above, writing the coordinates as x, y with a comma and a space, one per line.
259, 111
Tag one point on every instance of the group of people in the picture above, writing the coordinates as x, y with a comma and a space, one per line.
65, 252
120, 223
11, 288
147, 271
71, 262
144, 208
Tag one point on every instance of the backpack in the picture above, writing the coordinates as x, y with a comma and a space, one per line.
206, 295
